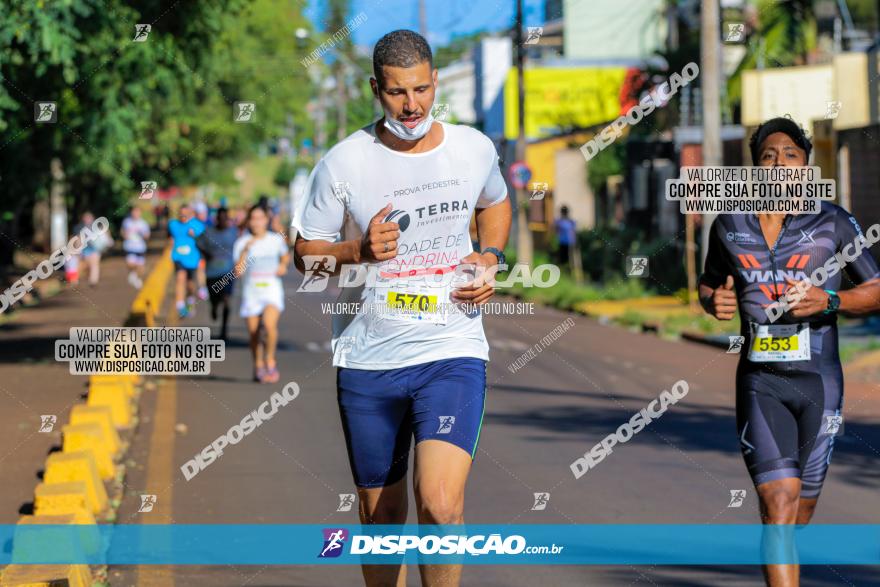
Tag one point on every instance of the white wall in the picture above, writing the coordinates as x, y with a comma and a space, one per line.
611, 29
571, 189
801, 92
457, 87
493, 58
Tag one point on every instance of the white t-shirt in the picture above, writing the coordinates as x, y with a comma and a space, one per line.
135, 233
263, 260
433, 196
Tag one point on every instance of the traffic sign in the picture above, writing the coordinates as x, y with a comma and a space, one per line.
520, 174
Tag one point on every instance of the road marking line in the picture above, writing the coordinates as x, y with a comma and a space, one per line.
160, 479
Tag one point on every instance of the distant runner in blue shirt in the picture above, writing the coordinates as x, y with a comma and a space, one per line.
185, 254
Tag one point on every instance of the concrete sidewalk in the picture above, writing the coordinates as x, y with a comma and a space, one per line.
32, 383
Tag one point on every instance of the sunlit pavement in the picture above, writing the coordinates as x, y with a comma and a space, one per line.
33, 384
680, 469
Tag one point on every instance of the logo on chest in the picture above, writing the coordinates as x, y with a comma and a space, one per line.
773, 283
442, 208
807, 237
741, 237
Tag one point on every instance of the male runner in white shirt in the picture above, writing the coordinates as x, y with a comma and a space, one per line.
411, 185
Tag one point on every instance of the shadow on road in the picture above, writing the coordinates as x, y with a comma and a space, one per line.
30, 349
590, 416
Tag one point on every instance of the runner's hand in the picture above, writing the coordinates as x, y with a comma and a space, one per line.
281, 271
380, 241
482, 287
722, 304
814, 300
241, 262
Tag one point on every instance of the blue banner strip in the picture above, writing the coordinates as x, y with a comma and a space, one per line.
609, 544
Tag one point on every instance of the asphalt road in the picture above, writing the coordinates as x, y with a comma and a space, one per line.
680, 469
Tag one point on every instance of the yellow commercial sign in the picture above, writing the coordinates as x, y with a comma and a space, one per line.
563, 98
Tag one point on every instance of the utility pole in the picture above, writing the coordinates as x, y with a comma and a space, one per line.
672, 25
341, 101
57, 207
423, 19
321, 122
691, 260
710, 76
320, 112
338, 13
523, 235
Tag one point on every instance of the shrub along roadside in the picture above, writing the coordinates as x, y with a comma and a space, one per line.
637, 304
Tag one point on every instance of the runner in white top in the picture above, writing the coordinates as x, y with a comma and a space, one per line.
411, 186
432, 196
262, 259
135, 232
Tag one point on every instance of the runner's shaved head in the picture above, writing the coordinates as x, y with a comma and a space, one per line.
401, 48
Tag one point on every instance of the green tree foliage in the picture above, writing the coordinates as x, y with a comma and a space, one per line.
608, 162
458, 47
129, 111
285, 173
864, 13
350, 66
786, 35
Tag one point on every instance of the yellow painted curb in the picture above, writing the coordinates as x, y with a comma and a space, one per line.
126, 386
46, 576
60, 498
78, 517
103, 417
73, 489
78, 466
84, 540
89, 437
124, 378
148, 302
114, 398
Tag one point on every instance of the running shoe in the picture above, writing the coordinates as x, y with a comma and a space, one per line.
272, 375
260, 374
203, 293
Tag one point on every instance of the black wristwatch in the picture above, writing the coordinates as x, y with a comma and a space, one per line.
502, 260
833, 302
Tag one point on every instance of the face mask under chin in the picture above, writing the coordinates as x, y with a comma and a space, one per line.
405, 133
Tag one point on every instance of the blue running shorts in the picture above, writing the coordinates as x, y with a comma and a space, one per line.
382, 410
